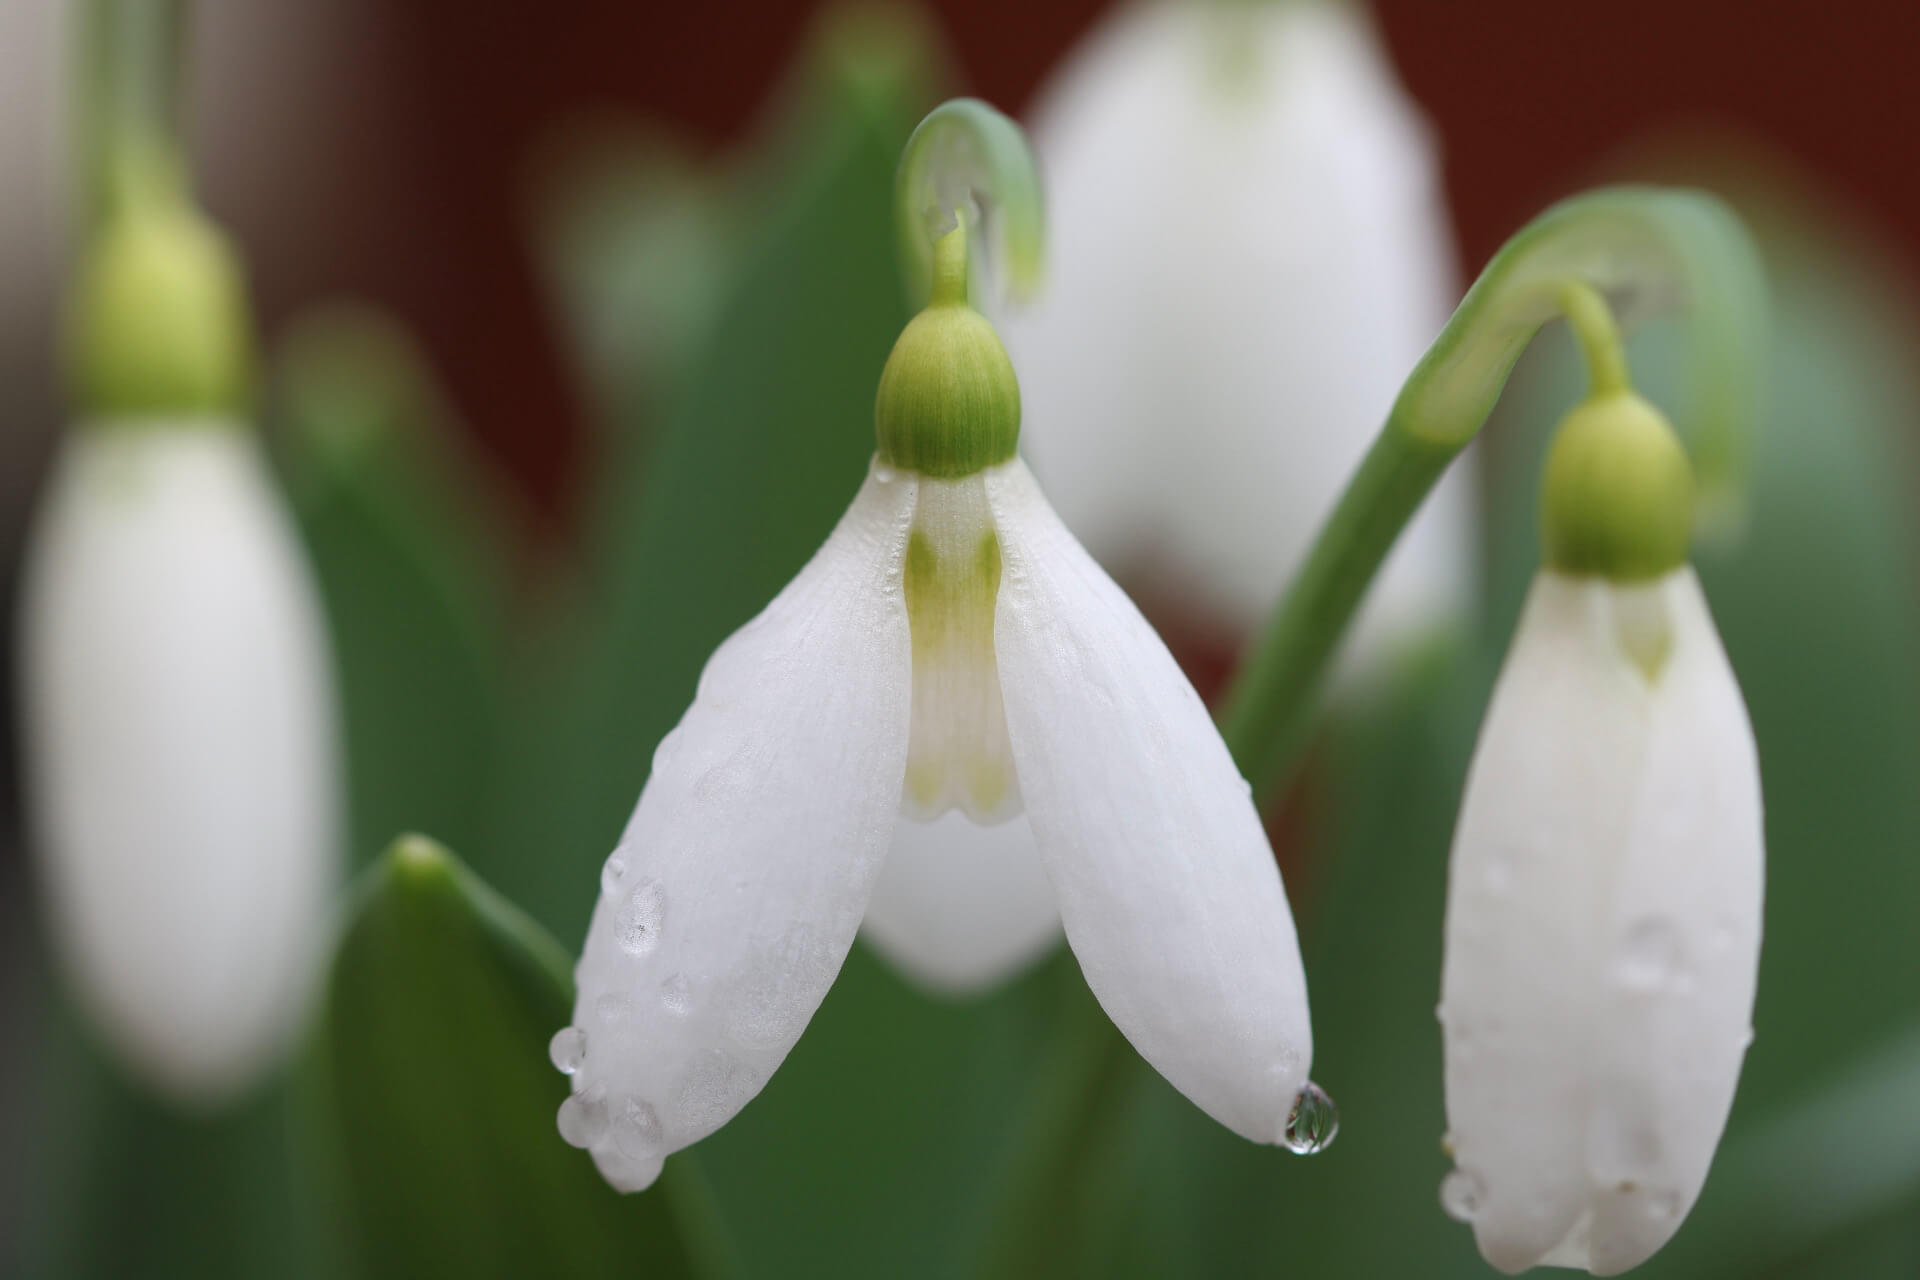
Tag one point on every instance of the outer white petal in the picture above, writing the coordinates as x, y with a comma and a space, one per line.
1167, 887
1248, 256
180, 748
959, 906
1603, 926
741, 879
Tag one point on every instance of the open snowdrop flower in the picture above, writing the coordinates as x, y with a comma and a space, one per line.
1251, 254
953, 686
1603, 910
179, 739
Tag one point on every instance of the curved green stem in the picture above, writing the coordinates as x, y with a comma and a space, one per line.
1640, 251
967, 157
129, 108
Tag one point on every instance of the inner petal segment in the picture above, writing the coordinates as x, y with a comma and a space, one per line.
958, 756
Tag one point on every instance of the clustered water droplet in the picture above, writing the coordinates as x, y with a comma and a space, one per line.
611, 874
637, 927
1650, 954
1461, 1195
1313, 1121
583, 1117
568, 1049
676, 996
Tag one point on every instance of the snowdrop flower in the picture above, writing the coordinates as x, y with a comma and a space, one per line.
1603, 913
175, 681
950, 678
1251, 254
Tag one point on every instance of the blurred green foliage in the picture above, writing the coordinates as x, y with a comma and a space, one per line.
731, 320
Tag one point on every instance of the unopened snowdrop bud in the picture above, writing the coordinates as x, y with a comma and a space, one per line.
1603, 910
1252, 253
953, 731
179, 734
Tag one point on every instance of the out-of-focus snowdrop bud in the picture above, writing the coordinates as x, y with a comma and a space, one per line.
1251, 254
1603, 913
179, 726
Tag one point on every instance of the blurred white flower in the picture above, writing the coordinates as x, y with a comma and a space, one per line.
179, 747
953, 685
1249, 255
1603, 927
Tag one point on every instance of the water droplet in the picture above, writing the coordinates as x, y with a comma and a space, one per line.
583, 1117
612, 874
1312, 1123
718, 1085
1649, 954
568, 1049
1461, 1195
613, 1010
675, 995
637, 1131
638, 924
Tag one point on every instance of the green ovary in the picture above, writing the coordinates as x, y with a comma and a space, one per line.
957, 755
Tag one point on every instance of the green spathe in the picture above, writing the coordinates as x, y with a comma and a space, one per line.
158, 325
949, 404
1617, 498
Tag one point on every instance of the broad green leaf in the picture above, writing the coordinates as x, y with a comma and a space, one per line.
406, 536
1819, 607
432, 1101
122, 1183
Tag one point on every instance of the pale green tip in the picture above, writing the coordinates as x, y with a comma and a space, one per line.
949, 404
1617, 499
158, 324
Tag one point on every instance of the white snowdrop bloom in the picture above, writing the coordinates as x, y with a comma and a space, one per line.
952, 688
1250, 253
1604, 900
179, 746
176, 687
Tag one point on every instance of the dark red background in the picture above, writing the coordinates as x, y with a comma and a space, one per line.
423, 202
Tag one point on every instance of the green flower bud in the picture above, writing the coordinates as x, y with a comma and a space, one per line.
1617, 499
158, 323
949, 404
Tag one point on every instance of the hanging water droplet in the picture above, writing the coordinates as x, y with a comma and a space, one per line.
613, 1009
676, 995
1461, 1195
583, 1118
637, 1131
1312, 1123
637, 927
612, 874
568, 1049
1649, 954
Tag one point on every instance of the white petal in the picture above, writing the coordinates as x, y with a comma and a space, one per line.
180, 748
959, 906
741, 879
1602, 926
1248, 254
1167, 887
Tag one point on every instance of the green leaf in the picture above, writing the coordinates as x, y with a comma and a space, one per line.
406, 537
124, 1184
433, 1102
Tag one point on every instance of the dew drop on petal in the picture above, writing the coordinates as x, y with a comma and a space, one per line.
583, 1118
637, 1132
568, 1049
637, 927
1312, 1123
1461, 1195
612, 874
676, 997
1650, 954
